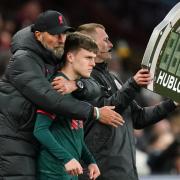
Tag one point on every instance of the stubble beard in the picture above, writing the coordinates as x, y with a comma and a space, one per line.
56, 51
102, 57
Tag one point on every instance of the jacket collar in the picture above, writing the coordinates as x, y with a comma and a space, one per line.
101, 66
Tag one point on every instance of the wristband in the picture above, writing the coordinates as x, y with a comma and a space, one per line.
97, 113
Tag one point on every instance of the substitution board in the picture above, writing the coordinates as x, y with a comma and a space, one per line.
162, 56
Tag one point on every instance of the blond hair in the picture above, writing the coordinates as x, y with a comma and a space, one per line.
89, 28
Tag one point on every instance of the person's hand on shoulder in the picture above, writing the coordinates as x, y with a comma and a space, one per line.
63, 86
94, 171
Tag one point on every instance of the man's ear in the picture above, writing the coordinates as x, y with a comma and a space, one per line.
70, 57
38, 35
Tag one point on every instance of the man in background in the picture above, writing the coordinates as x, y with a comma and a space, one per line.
114, 148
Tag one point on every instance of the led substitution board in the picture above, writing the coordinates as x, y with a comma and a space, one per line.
162, 56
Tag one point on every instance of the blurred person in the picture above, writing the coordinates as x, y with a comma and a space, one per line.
160, 137
141, 140
114, 148
10, 26
167, 161
124, 53
175, 123
5, 41
162, 127
164, 148
28, 13
63, 140
36, 52
172, 157
113, 65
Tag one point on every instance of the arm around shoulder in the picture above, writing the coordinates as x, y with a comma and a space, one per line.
27, 75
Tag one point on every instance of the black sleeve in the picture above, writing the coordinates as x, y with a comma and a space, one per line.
27, 76
121, 98
146, 116
90, 91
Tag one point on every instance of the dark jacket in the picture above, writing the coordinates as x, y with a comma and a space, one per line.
23, 88
114, 148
